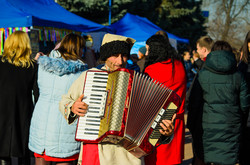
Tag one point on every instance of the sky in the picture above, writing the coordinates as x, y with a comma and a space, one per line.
211, 6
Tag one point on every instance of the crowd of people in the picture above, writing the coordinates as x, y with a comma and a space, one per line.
42, 99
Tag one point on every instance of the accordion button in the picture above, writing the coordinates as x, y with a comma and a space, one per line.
158, 118
154, 125
162, 111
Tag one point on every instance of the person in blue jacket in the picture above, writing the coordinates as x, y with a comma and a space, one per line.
51, 138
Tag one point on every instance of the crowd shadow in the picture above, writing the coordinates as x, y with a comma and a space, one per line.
188, 145
187, 162
188, 137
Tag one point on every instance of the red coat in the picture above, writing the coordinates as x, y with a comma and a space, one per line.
171, 153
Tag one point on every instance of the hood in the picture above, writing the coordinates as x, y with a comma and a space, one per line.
59, 66
220, 61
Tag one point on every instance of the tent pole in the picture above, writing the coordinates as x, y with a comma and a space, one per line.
110, 8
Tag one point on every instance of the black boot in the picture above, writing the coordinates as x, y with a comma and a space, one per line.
24, 161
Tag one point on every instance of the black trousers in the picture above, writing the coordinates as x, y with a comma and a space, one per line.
244, 155
21, 161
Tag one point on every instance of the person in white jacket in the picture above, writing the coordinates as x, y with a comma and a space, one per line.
51, 138
115, 51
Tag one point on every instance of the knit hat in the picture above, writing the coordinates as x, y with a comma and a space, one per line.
89, 41
143, 50
113, 44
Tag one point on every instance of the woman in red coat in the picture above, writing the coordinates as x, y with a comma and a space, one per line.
165, 65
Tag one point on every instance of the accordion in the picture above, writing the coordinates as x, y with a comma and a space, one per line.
125, 108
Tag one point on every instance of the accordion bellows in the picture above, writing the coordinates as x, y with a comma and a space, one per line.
125, 108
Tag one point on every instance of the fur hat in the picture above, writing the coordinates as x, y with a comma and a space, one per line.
113, 44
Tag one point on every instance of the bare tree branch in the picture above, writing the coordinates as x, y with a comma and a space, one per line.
230, 21
241, 8
245, 19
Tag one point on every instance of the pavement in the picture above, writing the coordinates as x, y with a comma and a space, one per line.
188, 153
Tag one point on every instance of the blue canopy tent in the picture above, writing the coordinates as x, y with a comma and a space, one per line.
140, 28
44, 16
13, 17
44, 13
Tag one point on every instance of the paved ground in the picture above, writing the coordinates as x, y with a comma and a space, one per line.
188, 147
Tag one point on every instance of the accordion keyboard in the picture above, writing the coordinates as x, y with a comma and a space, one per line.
95, 96
163, 115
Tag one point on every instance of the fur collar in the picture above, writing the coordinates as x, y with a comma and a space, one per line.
59, 66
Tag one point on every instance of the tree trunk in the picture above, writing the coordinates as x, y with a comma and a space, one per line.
226, 28
227, 8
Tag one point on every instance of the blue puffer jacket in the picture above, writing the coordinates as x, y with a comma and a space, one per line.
49, 130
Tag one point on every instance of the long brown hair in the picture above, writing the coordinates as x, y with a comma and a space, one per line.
71, 47
17, 50
246, 54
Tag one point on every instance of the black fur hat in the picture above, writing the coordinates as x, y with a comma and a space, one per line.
115, 44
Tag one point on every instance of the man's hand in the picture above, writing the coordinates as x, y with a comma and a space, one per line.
79, 108
167, 126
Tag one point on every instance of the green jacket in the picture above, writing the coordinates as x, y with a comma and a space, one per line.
225, 101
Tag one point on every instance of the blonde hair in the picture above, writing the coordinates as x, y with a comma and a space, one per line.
17, 50
205, 41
